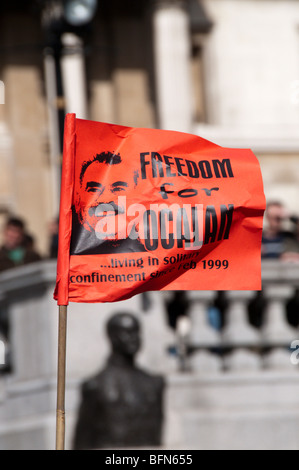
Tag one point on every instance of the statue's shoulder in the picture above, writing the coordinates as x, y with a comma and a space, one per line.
100, 384
92, 383
156, 381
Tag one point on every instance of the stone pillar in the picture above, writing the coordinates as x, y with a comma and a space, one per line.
239, 335
73, 75
202, 335
276, 332
172, 65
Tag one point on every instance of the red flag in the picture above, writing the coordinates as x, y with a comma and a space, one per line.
147, 209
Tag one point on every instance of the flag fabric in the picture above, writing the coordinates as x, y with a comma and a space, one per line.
148, 209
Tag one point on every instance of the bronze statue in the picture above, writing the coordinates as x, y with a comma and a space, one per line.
122, 406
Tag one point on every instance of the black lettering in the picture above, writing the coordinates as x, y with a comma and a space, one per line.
163, 191
205, 169
225, 168
167, 239
226, 221
168, 167
188, 192
192, 169
143, 164
182, 227
180, 166
157, 165
196, 228
94, 275
150, 230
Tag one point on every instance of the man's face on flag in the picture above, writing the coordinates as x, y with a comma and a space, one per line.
101, 200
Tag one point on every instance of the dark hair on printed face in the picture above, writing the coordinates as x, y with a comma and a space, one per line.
108, 158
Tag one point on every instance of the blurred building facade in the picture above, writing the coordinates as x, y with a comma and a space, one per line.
223, 69
227, 70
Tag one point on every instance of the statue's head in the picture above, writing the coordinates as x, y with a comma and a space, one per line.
123, 330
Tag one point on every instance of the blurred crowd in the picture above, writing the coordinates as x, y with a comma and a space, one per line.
280, 238
18, 245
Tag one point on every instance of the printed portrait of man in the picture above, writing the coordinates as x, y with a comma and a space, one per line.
99, 207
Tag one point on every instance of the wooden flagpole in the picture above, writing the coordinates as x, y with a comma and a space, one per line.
60, 411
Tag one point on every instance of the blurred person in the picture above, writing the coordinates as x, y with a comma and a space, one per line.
274, 235
15, 250
29, 242
53, 232
121, 406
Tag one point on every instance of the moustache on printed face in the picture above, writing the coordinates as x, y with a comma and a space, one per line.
107, 209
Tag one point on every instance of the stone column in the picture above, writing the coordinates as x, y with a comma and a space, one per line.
73, 75
202, 335
276, 332
172, 65
239, 335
